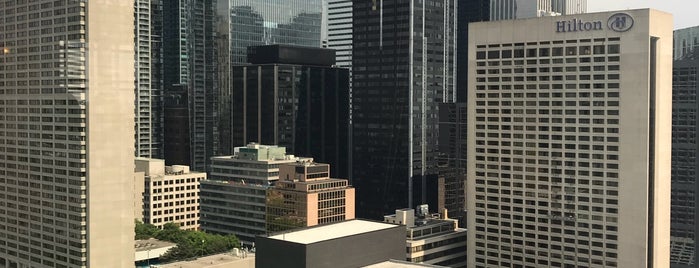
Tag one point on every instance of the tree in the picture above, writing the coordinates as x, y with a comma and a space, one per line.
145, 231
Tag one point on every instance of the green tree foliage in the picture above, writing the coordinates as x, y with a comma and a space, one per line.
145, 231
190, 243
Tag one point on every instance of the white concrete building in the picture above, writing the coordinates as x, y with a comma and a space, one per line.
569, 164
169, 194
66, 133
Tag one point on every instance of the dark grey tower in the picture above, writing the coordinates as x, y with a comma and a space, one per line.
243, 23
403, 68
684, 213
189, 74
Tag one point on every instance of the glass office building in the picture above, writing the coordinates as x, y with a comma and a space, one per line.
189, 75
244, 23
403, 67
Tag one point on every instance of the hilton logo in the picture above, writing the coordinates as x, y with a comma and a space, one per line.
620, 22
576, 25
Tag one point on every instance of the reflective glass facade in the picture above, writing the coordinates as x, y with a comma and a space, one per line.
303, 108
189, 75
684, 211
244, 23
398, 81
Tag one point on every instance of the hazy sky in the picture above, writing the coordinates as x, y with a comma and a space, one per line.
686, 12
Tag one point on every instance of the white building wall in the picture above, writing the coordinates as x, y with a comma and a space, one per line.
570, 160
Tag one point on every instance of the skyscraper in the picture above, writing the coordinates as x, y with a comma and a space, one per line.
523, 9
569, 164
340, 31
293, 97
468, 12
685, 107
403, 67
244, 23
189, 75
686, 42
148, 22
66, 133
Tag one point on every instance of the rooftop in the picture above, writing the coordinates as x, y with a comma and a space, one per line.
151, 244
226, 260
332, 231
398, 264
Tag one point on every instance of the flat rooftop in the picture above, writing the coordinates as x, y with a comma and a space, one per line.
151, 244
399, 264
332, 231
226, 260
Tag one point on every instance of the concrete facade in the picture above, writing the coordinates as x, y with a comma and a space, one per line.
170, 194
67, 124
233, 198
431, 239
570, 160
305, 195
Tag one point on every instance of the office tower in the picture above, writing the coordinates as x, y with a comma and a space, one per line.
233, 197
148, 22
569, 164
189, 75
523, 9
431, 238
686, 41
305, 195
398, 81
569, 7
452, 159
468, 12
292, 97
244, 23
66, 133
167, 193
684, 210
340, 31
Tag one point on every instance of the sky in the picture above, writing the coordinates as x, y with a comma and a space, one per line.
686, 12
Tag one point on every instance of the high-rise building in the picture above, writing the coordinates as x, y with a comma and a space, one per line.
431, 238
403, 66
244, 23
305, 195
148, 22
167, 194
452, 159
569, 121
66, 133
293, 98
340, 31
468, 12
684, 212
523, 9
686, 42
189, 75
233, 197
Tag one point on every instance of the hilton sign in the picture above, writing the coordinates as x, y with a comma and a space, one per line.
619, 22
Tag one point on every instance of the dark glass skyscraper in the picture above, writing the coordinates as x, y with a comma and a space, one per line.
188, 67
299, 103
684, 213
468, 11
403, 68
244, 23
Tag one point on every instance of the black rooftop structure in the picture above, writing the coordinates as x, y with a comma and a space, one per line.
287, 54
